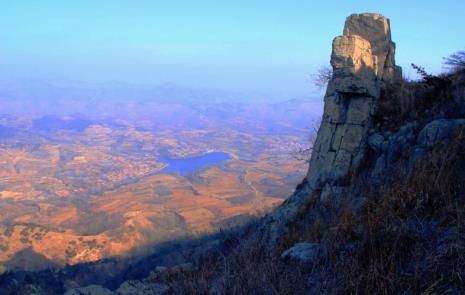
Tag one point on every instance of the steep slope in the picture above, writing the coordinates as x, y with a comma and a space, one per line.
363, 64
381, 210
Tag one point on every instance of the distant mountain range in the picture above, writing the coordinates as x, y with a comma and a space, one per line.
44, 92
76, 105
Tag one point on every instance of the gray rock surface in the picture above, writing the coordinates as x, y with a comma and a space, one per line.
377, 30
410, 144
89, 290
438, 131
376, 142
305, 253
135, 287
362, 57
363, 63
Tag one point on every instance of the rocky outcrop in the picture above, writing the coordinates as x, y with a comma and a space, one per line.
412, 142
376, 29
438, 131
362, 61
363, 64
361, 138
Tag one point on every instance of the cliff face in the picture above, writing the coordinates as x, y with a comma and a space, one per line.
363, 62
388, 160
375, 129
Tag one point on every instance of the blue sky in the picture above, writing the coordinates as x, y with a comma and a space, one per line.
242, 45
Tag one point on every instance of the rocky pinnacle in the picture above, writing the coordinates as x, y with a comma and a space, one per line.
363, 63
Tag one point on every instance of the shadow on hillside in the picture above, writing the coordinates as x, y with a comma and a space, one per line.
28, 260
30, 268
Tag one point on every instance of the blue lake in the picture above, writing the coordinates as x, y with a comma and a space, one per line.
193, 165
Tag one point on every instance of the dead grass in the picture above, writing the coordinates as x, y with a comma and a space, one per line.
421, 100
410, 235
250, 270
414, 230
408, 238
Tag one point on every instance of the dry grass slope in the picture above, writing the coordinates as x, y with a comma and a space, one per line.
409, 237
406, 236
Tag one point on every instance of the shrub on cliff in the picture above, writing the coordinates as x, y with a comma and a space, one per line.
455, 62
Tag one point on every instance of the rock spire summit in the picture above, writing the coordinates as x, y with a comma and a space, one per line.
363, 62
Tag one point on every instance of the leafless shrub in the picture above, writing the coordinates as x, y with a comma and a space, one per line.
304, 154
322, 76
250, 270
455, 62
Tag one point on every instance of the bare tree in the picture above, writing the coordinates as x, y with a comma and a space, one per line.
322, 76
304, 154
455, 62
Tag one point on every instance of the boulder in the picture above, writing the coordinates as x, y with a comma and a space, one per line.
304, 253
89, 290
161, 269
376, 142
438, 131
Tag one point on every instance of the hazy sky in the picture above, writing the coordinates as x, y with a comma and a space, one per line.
241, 45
